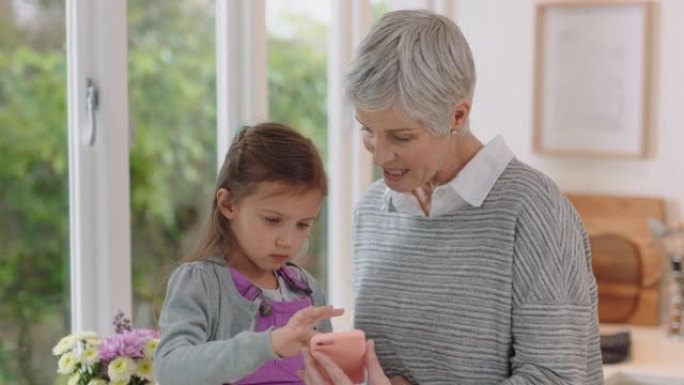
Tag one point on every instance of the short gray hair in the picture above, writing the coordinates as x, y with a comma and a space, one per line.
417, 61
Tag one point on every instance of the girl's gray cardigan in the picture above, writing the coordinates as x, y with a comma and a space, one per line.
207, 327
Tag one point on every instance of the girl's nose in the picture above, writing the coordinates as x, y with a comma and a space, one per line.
284, 240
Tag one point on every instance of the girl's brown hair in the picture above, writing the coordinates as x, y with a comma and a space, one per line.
267, 152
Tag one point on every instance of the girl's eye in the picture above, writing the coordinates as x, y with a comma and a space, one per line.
272, 220
402, 138
303, 225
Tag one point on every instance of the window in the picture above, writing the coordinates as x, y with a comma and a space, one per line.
34, 214
297, 84
171, 71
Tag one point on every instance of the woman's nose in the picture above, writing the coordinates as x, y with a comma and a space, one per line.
381, 154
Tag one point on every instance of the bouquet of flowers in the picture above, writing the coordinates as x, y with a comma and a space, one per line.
124, 358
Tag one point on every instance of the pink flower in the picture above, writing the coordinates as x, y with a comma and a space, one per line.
129, 343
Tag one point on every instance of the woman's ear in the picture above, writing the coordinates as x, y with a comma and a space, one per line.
225, 203
461, 112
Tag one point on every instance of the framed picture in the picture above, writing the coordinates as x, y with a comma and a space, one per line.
592, 77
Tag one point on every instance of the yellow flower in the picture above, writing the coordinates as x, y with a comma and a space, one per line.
121, 369
67, 363
64, 345
150, 347
118, 383
145, 369
73, 380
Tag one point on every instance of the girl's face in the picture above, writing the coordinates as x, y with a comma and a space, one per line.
409, 155
271, 225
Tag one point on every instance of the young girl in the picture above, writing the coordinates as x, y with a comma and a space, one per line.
238, 311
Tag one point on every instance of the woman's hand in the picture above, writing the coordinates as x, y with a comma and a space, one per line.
291, 338
320, 370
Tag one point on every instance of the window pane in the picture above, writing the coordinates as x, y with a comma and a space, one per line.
380, 7
297, 82
173, 157
34, 214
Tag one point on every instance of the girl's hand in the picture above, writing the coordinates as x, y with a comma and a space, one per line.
291, 338
320, 370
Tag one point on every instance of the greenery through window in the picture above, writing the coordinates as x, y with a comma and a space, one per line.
297, 91
34, 213
172, 88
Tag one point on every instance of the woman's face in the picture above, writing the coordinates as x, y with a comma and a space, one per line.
409, 155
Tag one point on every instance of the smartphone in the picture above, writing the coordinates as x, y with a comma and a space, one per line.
346, 349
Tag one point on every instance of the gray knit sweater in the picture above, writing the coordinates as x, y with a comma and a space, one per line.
497, 294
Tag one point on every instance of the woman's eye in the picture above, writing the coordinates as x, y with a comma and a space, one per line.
402, 138
272, 220
303, 225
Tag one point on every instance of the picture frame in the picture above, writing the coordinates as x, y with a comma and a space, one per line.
592, 91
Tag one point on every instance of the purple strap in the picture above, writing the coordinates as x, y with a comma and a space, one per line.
243, 285
292, 280
250, 291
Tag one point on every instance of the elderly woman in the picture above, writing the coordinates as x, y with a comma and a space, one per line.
470, 267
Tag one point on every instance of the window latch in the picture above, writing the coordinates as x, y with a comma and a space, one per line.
91, 106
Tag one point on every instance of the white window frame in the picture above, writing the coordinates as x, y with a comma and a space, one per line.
99, 183
241, 68
99, 202
347, 179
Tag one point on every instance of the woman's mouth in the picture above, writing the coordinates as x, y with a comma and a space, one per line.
394, 174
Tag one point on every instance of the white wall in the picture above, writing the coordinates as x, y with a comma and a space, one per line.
501, 34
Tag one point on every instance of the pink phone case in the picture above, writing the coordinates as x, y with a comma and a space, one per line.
346, 349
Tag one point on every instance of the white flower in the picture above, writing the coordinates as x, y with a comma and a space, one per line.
98, 381
67, 363
73, 380
145, 369
150, 347
64, 345
92, 342
90, 356
121, 369
84, 335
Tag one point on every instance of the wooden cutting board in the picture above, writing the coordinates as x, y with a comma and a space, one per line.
627, 260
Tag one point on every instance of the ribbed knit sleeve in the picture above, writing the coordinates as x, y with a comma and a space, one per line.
554, 323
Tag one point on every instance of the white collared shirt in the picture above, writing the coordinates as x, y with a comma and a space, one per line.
470, 186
